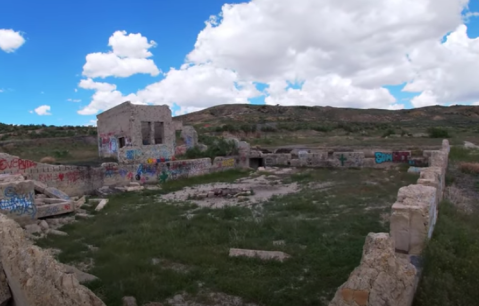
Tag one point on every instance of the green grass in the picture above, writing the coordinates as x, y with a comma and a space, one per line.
461, 154
324, 231
451, 261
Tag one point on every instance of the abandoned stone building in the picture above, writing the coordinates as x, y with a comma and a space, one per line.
129, 133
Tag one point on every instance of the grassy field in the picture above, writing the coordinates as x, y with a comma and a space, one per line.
154, 250
452, 256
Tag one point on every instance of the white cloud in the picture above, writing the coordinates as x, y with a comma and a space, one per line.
129, 56
74, 100
446, 73
10, 40
76, 90
342, 52
105, 97
43, 110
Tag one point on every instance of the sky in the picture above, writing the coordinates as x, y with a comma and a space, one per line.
64, 62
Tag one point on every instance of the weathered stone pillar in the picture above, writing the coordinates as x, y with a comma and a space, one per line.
413, 217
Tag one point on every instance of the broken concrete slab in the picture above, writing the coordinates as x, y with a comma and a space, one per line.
44, 224
101, 205
84, 216
81, 276
266, 255
55, 193
80, 202
39, 186
33, 228
54, 201
54, 209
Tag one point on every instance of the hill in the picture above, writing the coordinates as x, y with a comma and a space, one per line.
267, 126
328, 126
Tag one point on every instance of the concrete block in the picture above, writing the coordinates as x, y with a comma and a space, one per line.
55, 209
101, 205
265, 255
55, 193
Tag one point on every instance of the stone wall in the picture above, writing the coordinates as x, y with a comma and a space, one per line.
386, 275
35, 278
76, 181
356, 159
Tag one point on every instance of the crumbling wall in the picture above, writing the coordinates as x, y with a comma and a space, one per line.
189, 136
355, 159
141, 154
382, 278
224, 163
35, 278
386, 275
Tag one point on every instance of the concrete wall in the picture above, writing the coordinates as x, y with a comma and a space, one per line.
386, 275
125, 120
35, 278
111, 125
356, 159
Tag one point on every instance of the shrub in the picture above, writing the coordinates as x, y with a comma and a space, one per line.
216, 147
389, 132
48, 160
436, 132
471, 168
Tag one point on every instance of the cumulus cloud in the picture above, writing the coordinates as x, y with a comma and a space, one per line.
129, 56
10, 40
342, 53
105, 97
43, 110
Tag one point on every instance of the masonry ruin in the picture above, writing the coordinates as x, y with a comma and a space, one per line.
142, 141
131, 133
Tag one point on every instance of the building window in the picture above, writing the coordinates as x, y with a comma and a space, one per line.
159, 132
146, 132
121, 141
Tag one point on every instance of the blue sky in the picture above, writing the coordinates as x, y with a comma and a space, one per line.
47, 68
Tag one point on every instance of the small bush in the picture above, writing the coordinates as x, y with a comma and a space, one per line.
61, 153
471, 168
389, 132
436, 132
48, 160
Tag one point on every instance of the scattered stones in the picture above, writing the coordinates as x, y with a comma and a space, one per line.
33, 228
265, 255
129, 301
43, 224
101, 205
56, 232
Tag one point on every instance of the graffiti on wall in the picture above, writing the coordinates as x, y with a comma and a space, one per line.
132, 154
18, 204
16, 164
163, 172
189, 142
108, 144
395, 157
226, 163
418, 162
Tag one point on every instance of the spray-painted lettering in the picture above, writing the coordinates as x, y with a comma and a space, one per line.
383, 157
19, 204
16, 164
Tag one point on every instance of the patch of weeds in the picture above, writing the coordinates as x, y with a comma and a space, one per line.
304, 176
463, 154
469, 168
451, 261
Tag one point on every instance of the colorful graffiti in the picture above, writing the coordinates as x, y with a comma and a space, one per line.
418, 162
383, 157
108, 144
18, 204
401, 157
16, 164
171, 170
132, 154
230, 162
342, 159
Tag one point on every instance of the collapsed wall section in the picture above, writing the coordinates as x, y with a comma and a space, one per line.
35, 278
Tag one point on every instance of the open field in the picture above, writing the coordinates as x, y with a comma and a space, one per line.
162, 250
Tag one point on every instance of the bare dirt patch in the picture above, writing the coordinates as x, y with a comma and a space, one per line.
243, 192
